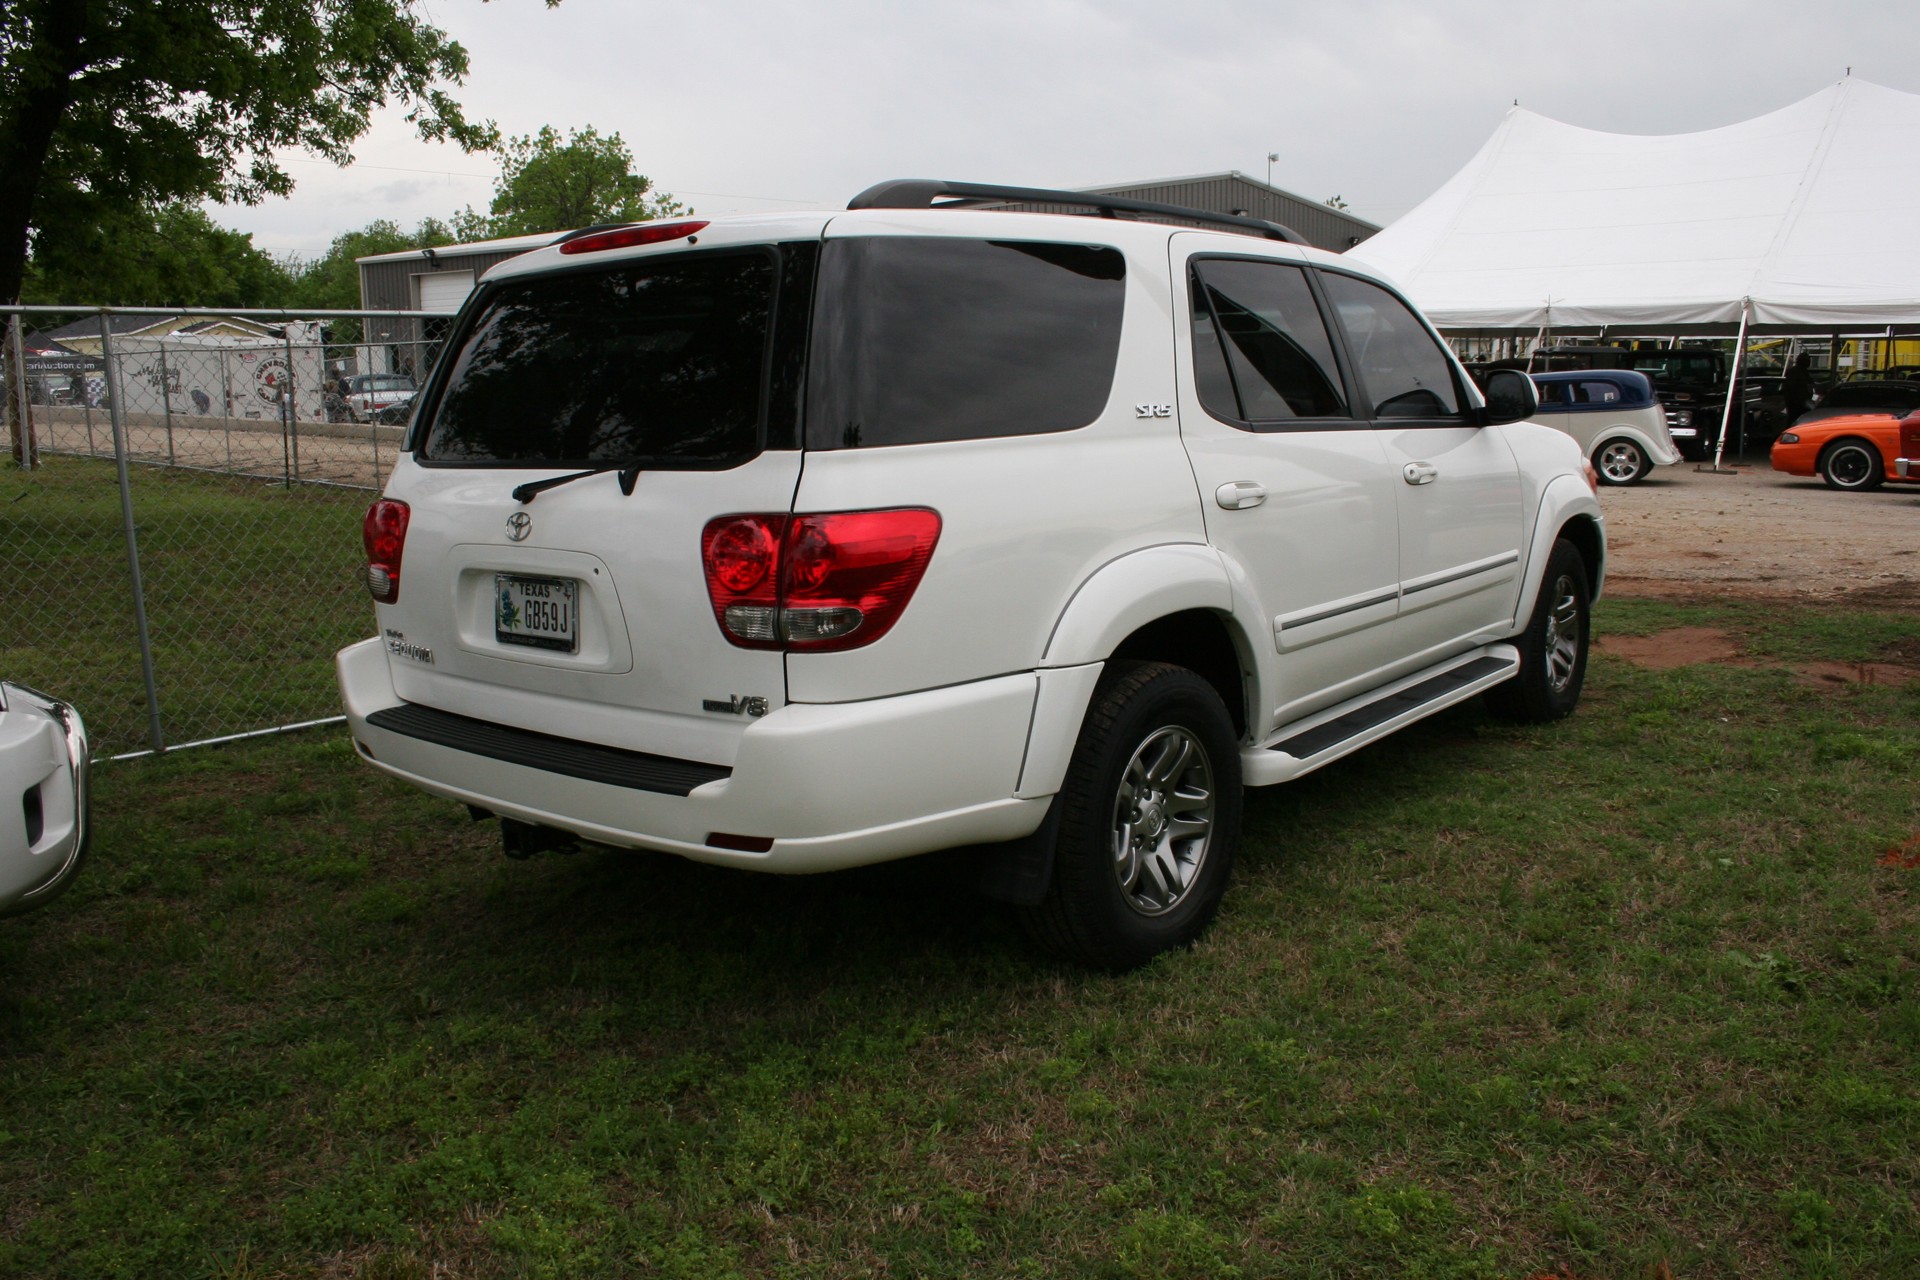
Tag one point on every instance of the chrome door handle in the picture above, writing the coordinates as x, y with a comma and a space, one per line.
1238, 495
1420, 472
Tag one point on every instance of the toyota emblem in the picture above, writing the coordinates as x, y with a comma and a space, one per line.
519, 525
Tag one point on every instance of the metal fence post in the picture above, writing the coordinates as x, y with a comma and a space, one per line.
114, 416
226, 405
26, 450
292, 400
166, 399
86, 411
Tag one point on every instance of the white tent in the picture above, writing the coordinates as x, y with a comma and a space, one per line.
1804, 218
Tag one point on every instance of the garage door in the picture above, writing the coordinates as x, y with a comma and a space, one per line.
444, 290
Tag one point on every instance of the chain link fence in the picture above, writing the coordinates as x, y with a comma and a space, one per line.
180, 514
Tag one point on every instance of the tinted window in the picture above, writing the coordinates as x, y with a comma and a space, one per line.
1551, 393
1586, 392
918, 339
661, 362
1260, 348
1404, 370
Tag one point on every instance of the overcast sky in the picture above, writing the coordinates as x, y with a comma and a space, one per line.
748, 105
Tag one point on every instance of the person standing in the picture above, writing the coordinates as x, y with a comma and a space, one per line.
1796, 389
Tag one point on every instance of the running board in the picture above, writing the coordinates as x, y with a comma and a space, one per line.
1303, 746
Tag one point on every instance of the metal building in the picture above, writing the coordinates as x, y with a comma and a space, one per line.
435, 279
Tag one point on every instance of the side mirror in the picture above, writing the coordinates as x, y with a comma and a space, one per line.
1510, 397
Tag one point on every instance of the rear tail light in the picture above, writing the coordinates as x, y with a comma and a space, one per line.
627, 237
385, 534
816, 583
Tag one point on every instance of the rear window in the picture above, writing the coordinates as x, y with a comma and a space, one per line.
919, 338
661, 363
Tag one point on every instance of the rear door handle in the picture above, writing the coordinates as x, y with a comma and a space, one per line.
1238, 495
1420, 472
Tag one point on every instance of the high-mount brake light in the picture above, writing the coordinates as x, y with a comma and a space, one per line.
385, 534
628, 237
815, 583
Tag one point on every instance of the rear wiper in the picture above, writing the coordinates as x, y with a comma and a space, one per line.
629, 474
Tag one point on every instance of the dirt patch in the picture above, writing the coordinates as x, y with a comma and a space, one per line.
1904, 856
1856, 673
1689, 646
1676, 647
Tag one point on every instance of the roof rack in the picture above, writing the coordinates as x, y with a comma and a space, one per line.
920, 193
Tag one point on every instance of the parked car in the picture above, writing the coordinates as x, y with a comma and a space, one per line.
1894, 398
1857, 451
1614, 417
44, 828
1691, 384
369, 394
802, 541
394, 415
1907, 465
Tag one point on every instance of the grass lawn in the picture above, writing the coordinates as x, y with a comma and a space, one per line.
250, 588
1631, 992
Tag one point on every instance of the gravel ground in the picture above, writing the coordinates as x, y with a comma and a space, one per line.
1758, 533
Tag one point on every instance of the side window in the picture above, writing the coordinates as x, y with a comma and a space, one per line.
920, 339
1405, 372
1585, 392
1550, 394
1260, 349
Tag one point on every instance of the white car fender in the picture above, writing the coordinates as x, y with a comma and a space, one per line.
1565, 499
1117, 599
1660, 451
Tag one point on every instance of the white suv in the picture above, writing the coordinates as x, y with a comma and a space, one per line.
801, 541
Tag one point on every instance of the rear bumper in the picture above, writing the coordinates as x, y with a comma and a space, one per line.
822, 786
43, 797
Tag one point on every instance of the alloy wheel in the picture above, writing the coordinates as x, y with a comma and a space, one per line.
1563, 634
1163, 818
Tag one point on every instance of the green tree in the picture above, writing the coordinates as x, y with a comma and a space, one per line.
332, 281
151, 102
141, 257
547, 184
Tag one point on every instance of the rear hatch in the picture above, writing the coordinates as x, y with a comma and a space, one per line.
581, 609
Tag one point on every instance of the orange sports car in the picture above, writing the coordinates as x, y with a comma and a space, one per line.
1857, 451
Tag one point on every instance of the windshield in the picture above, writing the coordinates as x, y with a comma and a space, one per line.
661, 362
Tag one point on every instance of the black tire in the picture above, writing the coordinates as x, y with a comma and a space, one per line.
1853, 465
1620, 461
1553, 648
1157, 744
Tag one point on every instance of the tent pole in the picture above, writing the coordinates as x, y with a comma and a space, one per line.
1733, 382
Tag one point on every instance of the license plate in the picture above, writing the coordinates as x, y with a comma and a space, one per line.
541, 613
